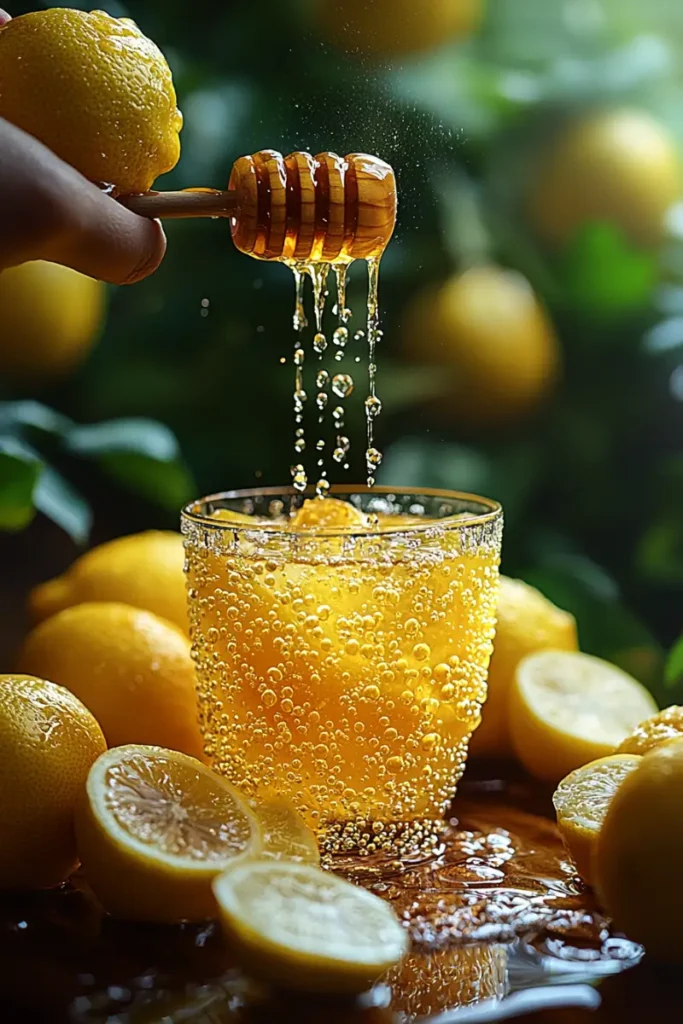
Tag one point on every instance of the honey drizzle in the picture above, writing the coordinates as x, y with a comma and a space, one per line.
342, 383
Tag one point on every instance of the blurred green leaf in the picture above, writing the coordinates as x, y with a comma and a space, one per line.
673, 674
15, 416
165, 483
61, 503
20, 470
419, 463
603, 274
659, 556
137, 436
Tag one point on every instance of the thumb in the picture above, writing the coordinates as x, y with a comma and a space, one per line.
107, 241
51, 212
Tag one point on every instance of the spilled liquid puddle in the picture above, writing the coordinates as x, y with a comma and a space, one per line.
495, 915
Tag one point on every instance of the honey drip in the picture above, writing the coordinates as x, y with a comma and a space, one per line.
340, 383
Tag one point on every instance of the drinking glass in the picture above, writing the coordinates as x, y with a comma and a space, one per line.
343, 667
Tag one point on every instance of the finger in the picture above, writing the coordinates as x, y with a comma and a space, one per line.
50, 211
108, 242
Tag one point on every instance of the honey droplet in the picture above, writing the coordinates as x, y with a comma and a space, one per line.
342, 385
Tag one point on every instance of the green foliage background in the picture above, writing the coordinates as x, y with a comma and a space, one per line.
593, 486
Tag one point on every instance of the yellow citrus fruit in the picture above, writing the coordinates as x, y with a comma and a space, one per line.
154, 828
620, 166
526, 622
567, 709
327, 514
581, 801
640, 851
132, 669
50, 317
494, 340
307, 929
48, 740
95, 90
387, 28
144, 570
284, 833
665, 725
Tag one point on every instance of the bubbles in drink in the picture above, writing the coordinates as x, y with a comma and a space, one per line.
342, 385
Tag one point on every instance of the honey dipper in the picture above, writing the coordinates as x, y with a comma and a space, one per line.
298, 209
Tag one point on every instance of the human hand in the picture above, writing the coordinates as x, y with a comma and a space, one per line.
51, 212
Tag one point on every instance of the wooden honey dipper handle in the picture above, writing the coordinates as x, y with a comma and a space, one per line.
192, 202
300, 208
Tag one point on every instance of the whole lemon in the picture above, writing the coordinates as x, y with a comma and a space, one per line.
95, 90
144, 570
389, 28
526, 622
132, 669
50, 317
620, 166
48, 740
493, 338
640, 851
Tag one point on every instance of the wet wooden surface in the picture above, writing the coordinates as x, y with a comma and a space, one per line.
497, 915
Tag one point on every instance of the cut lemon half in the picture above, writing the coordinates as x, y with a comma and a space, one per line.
662, 727
581, 801
306, 929
567, 709
284, 833
154, 827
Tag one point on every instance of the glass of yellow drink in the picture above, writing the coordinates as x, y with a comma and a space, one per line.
342, 646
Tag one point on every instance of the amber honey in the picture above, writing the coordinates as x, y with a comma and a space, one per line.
342, 648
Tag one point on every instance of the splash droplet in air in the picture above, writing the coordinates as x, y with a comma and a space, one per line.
342, 385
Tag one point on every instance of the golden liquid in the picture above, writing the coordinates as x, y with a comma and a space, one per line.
345, 672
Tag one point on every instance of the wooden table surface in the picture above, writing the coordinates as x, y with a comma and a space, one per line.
496, 916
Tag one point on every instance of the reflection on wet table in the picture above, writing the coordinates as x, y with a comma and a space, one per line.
493, 911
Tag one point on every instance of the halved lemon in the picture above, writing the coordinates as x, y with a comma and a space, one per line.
284, 833
581, 801
306, 929
662, 727
154, 827
567, 709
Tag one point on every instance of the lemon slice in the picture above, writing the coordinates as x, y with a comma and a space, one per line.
667, 725
567, 709
581, 801
328, 514
154, 827
306, 929
284, 833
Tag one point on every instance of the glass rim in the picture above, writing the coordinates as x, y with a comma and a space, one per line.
492, 511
